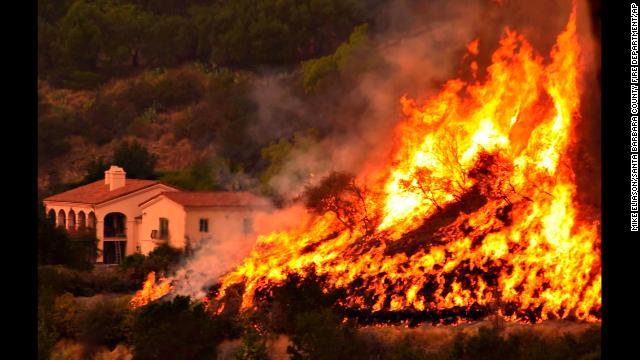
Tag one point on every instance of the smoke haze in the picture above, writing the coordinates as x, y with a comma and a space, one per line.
422, 44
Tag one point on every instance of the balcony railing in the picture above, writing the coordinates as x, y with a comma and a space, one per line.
159, 236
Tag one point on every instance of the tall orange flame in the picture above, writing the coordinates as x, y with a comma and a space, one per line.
506, 138
491, 158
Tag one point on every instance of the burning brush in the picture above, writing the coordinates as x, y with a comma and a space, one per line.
476, 213
151, 291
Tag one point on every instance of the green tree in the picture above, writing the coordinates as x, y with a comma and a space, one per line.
95, 169
340, 194
178, 88
222, 118
126, 29
82, 35
57, 246
172, 7
54, 127
253, 346
199, 176
351, 58
277, 153
171, 41
154, 332
320, 335
247, 32
53, 10
65, 316
49, 51
409, 349
47, 336
163, 258
135, 159
105, 323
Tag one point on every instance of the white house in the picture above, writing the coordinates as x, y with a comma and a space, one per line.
183, 219
132, 215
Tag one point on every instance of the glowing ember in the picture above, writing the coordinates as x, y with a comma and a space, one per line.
150, 291
476, 208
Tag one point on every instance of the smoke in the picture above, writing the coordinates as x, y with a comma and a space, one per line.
214, 256
211, 258
586, 158
359, 118
280, 111
421, 45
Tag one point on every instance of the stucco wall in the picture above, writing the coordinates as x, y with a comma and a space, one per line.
224, 223
151, 214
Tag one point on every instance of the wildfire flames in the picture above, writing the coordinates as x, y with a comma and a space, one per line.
476, 208
151, 291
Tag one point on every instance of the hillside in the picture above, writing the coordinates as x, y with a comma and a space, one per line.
68, 117
185, 80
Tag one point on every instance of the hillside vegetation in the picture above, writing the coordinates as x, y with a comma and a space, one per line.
179, 79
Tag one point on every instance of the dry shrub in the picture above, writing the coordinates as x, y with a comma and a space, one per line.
68, 350
121, 352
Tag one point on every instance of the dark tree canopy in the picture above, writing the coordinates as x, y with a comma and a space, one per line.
56, 246
135, 159
165, 327
340, 194
84, 42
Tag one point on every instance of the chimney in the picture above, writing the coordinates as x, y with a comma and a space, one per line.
115, 177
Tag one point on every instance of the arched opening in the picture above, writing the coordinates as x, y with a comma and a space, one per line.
114, 225
62, 220
71, 219
82, 220
91, 220
115, 238
51, 216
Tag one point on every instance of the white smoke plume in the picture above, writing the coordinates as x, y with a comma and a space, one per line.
423, 44
213, 257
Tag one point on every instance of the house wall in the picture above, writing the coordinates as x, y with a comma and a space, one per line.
151, 214
129, 206
224, 222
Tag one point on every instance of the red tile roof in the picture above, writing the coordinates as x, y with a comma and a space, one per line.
98, 192
215, 198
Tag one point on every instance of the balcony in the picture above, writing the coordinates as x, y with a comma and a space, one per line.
114, 226
160, 236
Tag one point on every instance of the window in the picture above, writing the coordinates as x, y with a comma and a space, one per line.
247, 224
204, 225
164, 228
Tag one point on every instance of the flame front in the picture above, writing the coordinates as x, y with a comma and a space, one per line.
151, 291
493, 157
